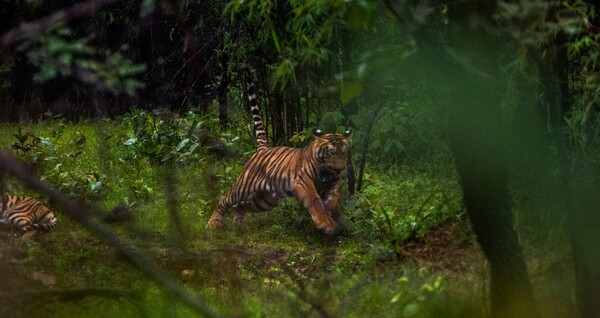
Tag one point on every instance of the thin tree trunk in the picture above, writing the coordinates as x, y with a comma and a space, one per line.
351, 175
364, 147
223, 89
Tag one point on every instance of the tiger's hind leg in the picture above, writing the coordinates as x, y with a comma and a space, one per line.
24, 229
29, 234
238, 220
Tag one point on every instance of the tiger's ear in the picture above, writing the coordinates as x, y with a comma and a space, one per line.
317, 133
348, 134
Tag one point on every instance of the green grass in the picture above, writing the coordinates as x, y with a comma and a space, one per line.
280, 266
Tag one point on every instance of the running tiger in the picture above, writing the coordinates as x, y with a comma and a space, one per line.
26, 213
310, 174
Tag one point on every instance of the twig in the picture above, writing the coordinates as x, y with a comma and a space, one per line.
83, 215
29, 29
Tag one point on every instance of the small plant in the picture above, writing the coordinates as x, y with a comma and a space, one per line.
413, 301
64, 169
72, 173
298, 137
163, 138
141, 190
30, 148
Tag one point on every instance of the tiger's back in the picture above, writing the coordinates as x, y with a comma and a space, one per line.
26, 213
266, 179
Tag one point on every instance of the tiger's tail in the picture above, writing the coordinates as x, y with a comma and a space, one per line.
259, 127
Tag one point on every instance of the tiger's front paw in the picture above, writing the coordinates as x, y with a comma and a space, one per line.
325, 223
214, 224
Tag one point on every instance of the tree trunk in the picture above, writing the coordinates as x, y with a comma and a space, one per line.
482, 141
579, 176
488, 203
584, 222
465, 72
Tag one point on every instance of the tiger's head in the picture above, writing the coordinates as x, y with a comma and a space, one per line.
332, 149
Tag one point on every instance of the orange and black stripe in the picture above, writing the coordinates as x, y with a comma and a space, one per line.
26, 213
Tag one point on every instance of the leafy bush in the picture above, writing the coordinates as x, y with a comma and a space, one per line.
162, 138
30, 148
57, 160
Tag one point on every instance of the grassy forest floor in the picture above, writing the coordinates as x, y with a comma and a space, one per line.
406, 251
278, 274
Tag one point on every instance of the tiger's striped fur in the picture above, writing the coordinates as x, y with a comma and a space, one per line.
26, 213
310, 174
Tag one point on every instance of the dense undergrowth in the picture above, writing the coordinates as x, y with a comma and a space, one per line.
380, 265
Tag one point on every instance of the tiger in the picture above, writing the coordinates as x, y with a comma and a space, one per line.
311, 174
26, 214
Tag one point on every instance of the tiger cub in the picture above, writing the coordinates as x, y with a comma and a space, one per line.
26, 214
310, 174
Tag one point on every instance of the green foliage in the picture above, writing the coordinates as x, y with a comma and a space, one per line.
282, 262
575, 20
65, 156
301, 41
30, 148
63, 169
402, 133
414, 302
298, 138
163, 138
56, 54
397, 211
